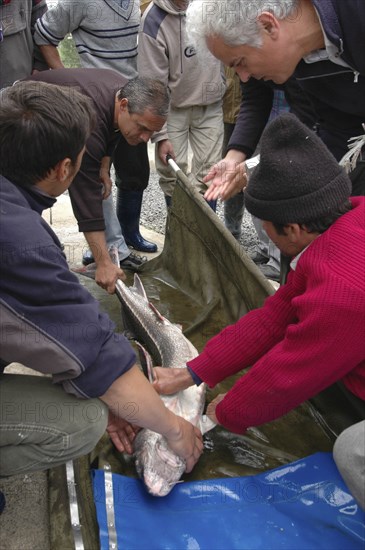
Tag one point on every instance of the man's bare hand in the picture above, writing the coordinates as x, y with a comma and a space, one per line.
227, 178
168, 381
122, 433
165, 148
107, 274
187, 442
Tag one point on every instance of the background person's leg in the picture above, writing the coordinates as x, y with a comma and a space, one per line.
132, 170
206, 140
41, 426
113, 231
178, 133
234, 207
265, 248
349, 455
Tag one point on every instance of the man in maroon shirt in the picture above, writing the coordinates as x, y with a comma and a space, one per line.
310, 333
298, 343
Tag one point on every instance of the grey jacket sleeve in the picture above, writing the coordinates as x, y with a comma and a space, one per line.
153, 62
53, 26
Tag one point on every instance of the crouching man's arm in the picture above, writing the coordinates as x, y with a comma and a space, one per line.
132, 398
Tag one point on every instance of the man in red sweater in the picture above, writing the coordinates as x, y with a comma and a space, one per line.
311, 332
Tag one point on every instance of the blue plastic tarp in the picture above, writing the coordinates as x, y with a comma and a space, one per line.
302, 505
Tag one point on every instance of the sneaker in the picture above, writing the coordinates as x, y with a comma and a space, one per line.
259, 258
133, 261
270, 272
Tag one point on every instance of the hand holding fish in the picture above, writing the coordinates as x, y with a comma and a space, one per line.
122, 433
106, 267
107, 274
186, 441
168, 381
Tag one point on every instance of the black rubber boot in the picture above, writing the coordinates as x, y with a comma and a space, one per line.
129, 204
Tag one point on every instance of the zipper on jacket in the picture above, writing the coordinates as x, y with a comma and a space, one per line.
349, 70
339, 53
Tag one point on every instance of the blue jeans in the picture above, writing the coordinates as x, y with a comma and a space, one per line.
113, 232
41, 426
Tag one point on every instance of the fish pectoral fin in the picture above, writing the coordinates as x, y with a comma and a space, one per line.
159, 315
87, 271
163, 319
205, 424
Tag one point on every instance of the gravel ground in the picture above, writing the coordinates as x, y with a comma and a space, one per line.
153, 214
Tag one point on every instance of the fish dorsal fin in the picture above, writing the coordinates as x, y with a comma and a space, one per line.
139, 288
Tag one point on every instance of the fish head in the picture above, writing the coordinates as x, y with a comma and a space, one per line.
157, 465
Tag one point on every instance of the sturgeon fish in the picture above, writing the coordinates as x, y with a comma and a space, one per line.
157, 465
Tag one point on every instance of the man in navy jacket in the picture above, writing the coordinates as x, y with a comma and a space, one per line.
49, 321
319, 44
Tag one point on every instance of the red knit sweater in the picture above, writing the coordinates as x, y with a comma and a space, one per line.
308, 335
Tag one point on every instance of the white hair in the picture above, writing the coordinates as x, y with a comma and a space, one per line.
235, 21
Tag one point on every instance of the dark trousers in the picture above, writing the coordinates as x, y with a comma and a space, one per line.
132, 166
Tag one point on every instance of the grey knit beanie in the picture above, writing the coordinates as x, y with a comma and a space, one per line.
298, 180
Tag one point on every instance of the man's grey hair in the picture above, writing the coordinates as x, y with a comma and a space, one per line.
234, 21
146, 93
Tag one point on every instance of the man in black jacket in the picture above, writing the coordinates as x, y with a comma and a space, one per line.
319, 43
